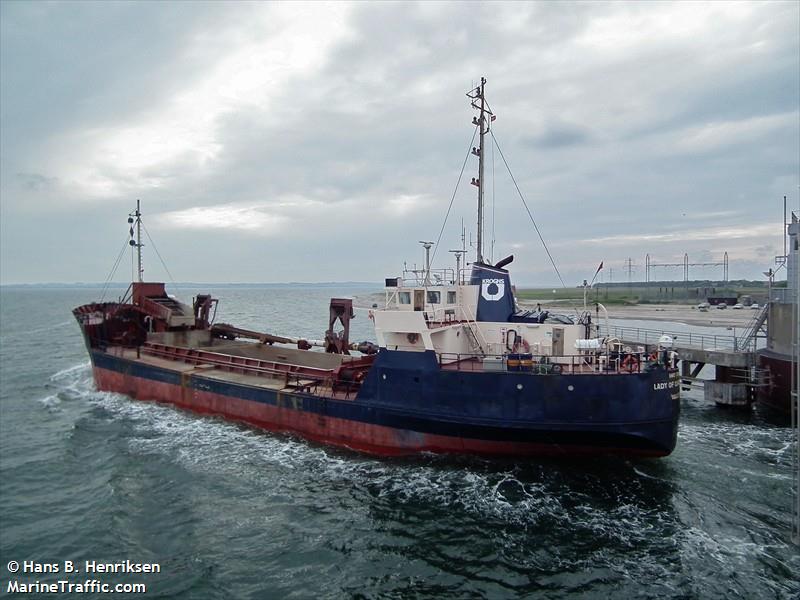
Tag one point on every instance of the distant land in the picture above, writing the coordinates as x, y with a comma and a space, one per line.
652, 292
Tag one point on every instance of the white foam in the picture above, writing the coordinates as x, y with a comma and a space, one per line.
51, 402
71, 373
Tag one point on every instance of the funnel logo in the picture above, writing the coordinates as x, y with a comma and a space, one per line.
493, 289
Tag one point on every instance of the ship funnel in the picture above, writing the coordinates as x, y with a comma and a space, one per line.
495, 297
506, 261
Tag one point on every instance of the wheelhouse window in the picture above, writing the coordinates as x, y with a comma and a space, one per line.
451, 297
434, 297
404, 297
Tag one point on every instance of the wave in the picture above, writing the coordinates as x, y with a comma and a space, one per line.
635, 520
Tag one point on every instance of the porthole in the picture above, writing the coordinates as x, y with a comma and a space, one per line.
519, 386
571, 388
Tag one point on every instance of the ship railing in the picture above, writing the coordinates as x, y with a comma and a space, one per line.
293, 375
703, 341
437, 277
611, 363
442, 316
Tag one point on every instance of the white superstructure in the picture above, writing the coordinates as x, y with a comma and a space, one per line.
442, 318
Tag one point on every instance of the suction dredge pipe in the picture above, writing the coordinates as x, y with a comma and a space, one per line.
224, 330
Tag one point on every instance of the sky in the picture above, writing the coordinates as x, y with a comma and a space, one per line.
277, 142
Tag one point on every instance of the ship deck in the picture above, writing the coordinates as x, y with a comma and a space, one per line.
282, 381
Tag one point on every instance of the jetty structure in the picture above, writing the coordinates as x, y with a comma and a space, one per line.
758, 367
734, 383
776, 359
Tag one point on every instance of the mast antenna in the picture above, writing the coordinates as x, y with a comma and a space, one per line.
459, 254
478, 97
427, 245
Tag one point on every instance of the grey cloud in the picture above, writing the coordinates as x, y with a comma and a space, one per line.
557, 135
593, 138
85, 63
36, 181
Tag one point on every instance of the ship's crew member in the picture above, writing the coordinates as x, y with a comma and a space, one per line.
673, 359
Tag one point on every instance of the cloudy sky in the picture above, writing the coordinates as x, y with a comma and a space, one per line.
277, 142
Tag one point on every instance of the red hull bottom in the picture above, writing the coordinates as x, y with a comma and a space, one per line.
364, 437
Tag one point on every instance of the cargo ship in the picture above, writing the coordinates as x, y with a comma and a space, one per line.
457, 368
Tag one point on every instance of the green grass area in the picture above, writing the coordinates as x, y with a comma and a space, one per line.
664, 293
563, 294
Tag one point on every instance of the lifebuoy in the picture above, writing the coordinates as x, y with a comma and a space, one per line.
653, 356
630, 363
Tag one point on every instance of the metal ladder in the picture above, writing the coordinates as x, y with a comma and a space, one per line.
754, 328
473, 339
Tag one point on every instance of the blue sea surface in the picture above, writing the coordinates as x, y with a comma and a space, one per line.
228, 511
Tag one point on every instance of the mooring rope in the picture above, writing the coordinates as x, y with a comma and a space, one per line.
450, 206
107, 282
163, 264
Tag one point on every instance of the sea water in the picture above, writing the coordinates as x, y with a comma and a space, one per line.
228, 511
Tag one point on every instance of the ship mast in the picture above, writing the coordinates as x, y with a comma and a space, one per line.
482, 122
137, 243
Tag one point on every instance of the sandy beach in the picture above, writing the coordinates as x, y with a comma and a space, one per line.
677, 313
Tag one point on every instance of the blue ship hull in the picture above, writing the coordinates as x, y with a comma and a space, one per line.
408, 404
